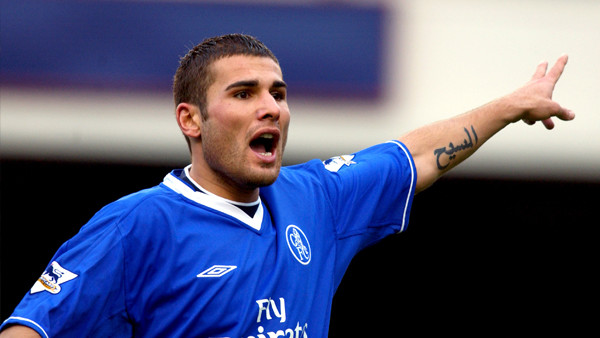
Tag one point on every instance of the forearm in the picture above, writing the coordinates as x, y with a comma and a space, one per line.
19, 331
441, 146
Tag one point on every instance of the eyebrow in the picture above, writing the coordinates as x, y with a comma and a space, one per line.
254, 83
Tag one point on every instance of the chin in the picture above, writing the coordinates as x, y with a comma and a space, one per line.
264, 177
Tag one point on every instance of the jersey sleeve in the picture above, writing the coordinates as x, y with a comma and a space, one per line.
371, 191
81, 290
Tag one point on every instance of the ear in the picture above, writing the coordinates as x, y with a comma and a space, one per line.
188, 119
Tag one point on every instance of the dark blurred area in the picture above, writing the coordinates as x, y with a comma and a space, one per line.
480, 257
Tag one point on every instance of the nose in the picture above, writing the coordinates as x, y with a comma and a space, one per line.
269, 108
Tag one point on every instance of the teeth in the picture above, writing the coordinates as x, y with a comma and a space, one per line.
269, 136
268, 153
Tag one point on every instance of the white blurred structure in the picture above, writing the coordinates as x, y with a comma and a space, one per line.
444, 58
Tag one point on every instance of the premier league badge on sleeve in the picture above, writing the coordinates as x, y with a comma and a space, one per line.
51, 279
336, 163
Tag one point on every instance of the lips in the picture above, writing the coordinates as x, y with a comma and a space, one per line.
264, 143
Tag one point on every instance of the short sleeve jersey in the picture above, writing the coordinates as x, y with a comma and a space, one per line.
170, 261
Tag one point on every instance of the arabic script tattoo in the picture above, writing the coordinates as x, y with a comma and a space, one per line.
452, 149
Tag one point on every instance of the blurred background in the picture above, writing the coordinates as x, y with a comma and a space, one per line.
503, 244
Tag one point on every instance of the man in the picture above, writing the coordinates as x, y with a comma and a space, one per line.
234, 245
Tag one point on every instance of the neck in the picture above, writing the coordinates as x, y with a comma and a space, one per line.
221, 188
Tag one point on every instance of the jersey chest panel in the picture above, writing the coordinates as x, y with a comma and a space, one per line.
230, 279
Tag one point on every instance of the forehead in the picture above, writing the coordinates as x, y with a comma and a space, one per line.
244, 67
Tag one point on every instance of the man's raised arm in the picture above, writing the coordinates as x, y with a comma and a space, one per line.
440, 146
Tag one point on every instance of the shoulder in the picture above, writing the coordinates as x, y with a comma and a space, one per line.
132, 203
381, 164
392, 154
125, 212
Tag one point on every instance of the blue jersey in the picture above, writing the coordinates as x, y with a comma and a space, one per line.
175, 262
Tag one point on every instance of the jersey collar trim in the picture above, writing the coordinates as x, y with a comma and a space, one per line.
215, 202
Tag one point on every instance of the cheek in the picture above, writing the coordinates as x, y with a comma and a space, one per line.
285, 123
227, 117
285, 115
221, 138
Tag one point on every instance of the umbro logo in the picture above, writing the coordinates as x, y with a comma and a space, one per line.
217, 271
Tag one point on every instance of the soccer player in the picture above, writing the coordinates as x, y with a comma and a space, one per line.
233, 245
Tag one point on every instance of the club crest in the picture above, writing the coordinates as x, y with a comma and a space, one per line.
298, 244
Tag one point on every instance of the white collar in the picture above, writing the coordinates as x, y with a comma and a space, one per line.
186, 170
215, 202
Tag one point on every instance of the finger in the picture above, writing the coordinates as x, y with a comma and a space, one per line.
557, 70
566, 115
529, 122
540, 70
548, 123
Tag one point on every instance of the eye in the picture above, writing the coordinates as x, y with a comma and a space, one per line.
277, 95
243, 94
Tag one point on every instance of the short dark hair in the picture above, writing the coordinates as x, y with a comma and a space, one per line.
193, 77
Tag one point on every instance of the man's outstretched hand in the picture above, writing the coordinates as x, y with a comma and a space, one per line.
535, 96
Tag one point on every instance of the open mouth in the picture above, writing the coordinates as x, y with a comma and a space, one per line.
264, 144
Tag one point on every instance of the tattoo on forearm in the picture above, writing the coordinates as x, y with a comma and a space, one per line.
452, 149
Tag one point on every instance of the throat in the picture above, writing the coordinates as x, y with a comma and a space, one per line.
248, 208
